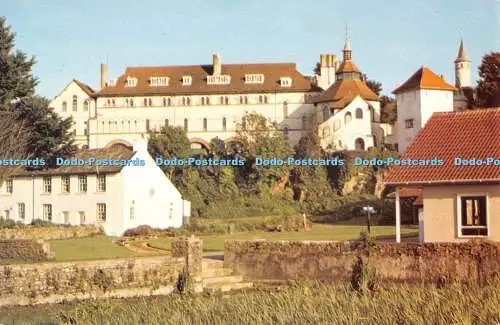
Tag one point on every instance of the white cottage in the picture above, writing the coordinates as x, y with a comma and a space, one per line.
116, 197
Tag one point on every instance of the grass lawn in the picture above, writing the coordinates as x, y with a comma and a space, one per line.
318, 232
90, 248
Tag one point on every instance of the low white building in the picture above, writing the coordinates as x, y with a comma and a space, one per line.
116, 197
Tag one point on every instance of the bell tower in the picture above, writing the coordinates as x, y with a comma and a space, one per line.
463, 74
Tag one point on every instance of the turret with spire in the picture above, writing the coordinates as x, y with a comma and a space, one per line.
463, 75
347, 48
347, 69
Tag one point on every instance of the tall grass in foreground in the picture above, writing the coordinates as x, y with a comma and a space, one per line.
307, 303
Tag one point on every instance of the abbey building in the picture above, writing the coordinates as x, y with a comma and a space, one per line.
209, 100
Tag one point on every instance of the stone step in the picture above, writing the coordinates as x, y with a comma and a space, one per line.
213, 272
224, 287
229, 279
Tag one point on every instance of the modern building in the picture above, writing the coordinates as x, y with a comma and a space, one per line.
460, 199
117, 197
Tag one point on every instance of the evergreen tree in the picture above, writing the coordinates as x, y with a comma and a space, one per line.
44, 134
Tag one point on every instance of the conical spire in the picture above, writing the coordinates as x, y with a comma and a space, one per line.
347, 47
461, 53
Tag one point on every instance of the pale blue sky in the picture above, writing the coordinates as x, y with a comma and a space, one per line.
390, 39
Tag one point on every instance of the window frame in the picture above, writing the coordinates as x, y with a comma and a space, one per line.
47, 186
409, 123
65, 184
459, 216
82, 185
22, 215
100, 215
9, 185
47, 212
101, 183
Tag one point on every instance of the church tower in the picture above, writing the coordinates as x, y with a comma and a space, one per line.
463, 74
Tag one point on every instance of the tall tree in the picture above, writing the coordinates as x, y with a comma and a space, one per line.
488, 86
375, 86
388, 109
44, 133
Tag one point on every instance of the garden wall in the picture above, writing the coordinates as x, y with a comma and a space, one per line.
470, 262
55, 282
49, 232
25, 250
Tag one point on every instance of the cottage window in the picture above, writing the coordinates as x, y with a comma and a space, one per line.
64, 106
261, 99
101, 183
473, 215
10, 185
47, 212
186, 124
265, 99
21, 210
101, 212
75, 103
65, 184
47, 184
224, 124
86, 105
347, 118
205, 124
82, 183
409, 123
359, 113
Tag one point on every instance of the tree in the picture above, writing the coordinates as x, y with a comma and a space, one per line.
16, 81
317, 68
375, 86
388, 109
488, 86
44, 134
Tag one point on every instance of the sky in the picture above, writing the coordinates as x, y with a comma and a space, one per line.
390, 39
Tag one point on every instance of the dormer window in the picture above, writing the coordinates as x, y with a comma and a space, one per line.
256, 78
158, 81
222, 79
187, 80
131, 82
285, 82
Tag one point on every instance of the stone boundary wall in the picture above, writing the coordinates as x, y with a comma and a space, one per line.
191, 249
25, 284
25, 250
49, 232
474, 261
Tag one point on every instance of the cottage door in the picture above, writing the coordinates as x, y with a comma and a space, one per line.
420, 224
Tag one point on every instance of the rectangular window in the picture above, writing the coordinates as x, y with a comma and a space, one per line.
21, 210
409, 123
82, 183
101, 212
47, 184
66, 217
10, 185
132, 213
101, 183
473, 216
81, 214
47, 212
65, 184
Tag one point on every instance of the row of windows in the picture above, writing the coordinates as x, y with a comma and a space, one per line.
187, 101
74, 105
348, 116
47, 213
65, 184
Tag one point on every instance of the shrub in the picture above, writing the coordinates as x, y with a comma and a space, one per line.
184, 282
41, 223
7, 223
364, 276
140, 231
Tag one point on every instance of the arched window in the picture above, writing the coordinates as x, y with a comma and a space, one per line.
226, 100
64, 106
326, 113
261, 100
126, 102
169, 101
75, 103
188, 101
359, 113
207, 100
148, 127
224, 124
304, 122
164, 102
205, 124
285, 109
202, 101
145, 102
246, 99
347, 118
86, 105
221, 100
241, 99
150, 102
131, 102
183, 101
372, 113
359, 144
186, 124
265, 99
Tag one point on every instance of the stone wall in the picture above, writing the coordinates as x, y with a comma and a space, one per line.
55, 282
191, 249
49, 232
25, 250
471, 262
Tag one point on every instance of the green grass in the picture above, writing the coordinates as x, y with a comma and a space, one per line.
90, 248
306, 303
318, 232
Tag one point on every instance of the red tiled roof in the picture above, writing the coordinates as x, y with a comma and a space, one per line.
272, 73
424, 78
470, 135
86, 88
347, 66
343, 91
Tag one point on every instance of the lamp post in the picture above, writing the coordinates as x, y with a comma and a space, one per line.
368, 210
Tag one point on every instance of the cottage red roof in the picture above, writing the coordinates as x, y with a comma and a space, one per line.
447, 136
424, 78
86, 88
272, 73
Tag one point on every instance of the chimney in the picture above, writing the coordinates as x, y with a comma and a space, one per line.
104, 75
330, 60
216, 64
322, 60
